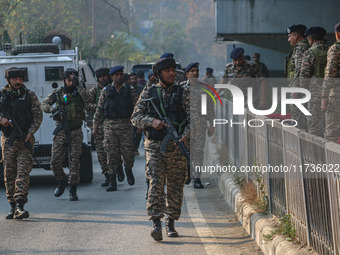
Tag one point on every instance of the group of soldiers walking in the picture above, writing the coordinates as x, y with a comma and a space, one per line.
116, 106
21, 116
122, 111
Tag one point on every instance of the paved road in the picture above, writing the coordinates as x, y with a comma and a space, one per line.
116, 222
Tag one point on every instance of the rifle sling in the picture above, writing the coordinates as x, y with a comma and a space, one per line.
180, 125
159, 93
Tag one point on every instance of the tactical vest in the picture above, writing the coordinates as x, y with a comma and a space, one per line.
289, 66
20, 109
118, 104
73, 105
173, 109
320, 62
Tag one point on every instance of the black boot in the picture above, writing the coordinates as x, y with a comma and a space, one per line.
106, 181
129, 176
156, 233
11, 212
198, 184
170, 228
19, 212
59, 190
147, 189
121, 175
112, 183
73, 193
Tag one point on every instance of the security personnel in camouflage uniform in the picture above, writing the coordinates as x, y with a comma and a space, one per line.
241, 68
209, 77
260, 65
137, 132
312, 72
70, 101
94, 94
171, 166
296, 38
22, 106
115, 106
197, 146
331, 90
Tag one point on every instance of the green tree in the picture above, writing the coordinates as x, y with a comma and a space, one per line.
38, 33
121, 48
4, 38
167, 37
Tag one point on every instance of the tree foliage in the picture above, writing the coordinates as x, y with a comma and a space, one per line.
185, 28
119, 47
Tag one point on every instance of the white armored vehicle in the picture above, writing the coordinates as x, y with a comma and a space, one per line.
44, 65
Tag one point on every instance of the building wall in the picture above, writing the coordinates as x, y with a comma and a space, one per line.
273, 16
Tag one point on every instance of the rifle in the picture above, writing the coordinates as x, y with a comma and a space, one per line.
82, 77
172, 135
17, 132
59, 114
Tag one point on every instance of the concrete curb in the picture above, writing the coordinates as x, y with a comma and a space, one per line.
257, 224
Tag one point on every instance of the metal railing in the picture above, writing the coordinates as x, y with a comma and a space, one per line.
310, 197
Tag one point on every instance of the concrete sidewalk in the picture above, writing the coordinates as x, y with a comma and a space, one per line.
255, 224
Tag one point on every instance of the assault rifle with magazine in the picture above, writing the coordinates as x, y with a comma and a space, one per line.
171, 135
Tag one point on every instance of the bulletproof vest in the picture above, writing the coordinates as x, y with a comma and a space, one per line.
289, 66
118, 104
172, 108
73, 105
18, 108
320, 62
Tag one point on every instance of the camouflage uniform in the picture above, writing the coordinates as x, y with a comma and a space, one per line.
17, 159
60, 146
170, 166
199, 122
232, 75
331, 90
137, 137
311, 80
262, 68
94, 94
297, 55
118, 134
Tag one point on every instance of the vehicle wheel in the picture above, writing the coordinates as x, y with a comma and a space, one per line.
86, 169
35, 48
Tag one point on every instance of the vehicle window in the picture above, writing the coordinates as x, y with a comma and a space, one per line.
54, 73
146, 68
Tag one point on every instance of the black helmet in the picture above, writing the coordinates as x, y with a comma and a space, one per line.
162, 64
14, 72
69, 71
102, 71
